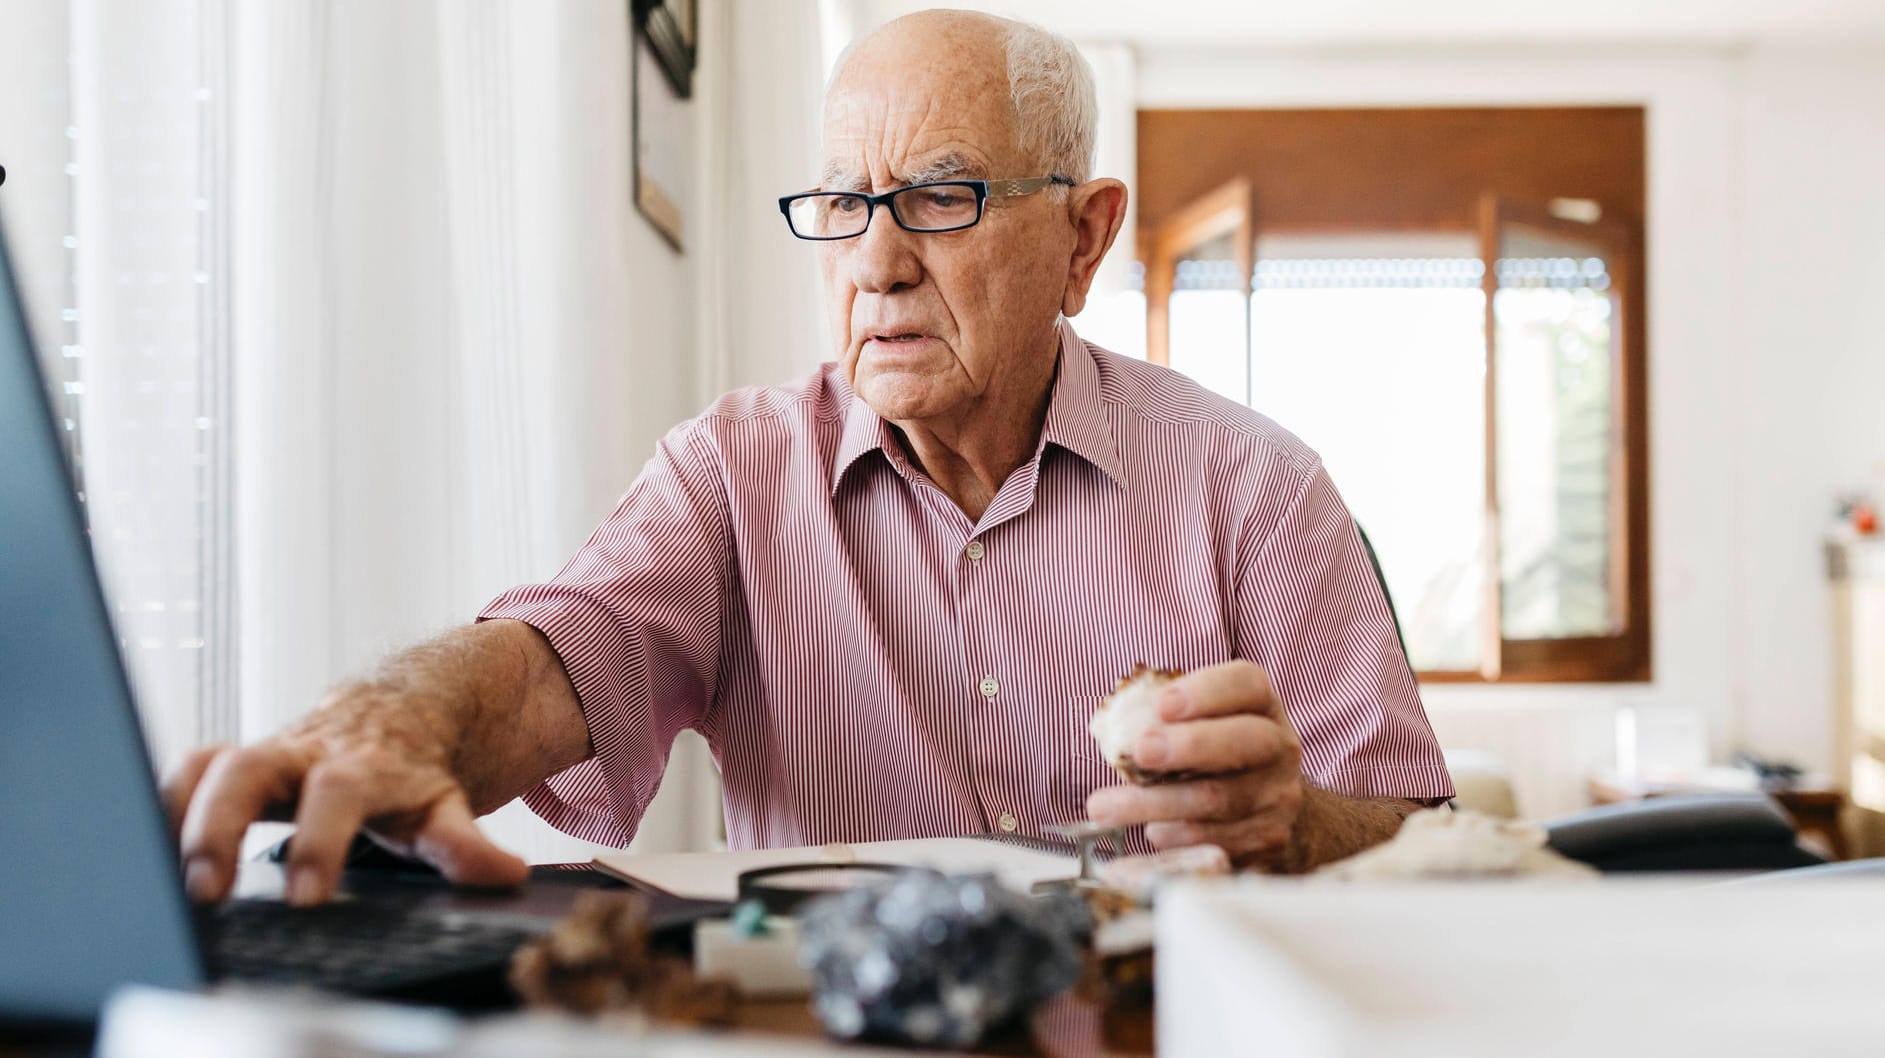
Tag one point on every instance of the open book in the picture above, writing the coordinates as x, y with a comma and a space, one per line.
715, 875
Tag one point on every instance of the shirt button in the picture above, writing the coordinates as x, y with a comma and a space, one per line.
975, 550
1007, 823
989, 687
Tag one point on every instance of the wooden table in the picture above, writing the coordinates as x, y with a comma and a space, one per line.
1068, 1027
1815, 810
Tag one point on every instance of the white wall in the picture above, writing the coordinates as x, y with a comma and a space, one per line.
1766, 240
763, 316
1431, 22
1812, 409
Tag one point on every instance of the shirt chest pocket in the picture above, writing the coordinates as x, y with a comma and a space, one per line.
1078, 768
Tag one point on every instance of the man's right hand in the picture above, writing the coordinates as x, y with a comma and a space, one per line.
389, 756
339, 772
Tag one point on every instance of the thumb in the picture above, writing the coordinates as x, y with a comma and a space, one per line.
451, 841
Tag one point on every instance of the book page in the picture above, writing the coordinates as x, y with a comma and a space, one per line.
715, 875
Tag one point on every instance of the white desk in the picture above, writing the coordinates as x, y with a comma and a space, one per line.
1286, 970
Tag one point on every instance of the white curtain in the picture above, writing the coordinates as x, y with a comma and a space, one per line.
456, 339
148, 323
371, 328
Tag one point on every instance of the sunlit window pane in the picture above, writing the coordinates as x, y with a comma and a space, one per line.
1554, 313
1115, 319
1207, 320
1370, 349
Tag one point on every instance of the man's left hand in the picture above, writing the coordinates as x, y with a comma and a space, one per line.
1225, 726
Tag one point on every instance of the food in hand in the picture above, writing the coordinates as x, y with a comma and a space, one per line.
1128, 713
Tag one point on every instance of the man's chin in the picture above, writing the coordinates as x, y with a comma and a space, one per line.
901, 396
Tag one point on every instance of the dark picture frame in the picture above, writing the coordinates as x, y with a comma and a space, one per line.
660, 143
671, 28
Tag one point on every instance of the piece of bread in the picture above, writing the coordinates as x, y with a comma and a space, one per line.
1126, 714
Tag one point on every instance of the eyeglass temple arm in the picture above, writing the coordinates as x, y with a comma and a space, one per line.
1011, 188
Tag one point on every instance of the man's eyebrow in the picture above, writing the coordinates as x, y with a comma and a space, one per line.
838, 177
947, 167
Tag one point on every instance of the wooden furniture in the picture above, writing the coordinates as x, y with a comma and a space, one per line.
1068, 1027
1815, 809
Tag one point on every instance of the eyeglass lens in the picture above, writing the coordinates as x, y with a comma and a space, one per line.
923, 208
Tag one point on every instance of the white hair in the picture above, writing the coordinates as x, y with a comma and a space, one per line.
1056, 110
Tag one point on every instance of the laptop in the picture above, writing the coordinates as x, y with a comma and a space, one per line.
91, 896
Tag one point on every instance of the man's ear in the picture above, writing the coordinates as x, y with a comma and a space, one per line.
1097, 209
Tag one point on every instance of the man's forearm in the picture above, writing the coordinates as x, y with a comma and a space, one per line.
492, 700
1332, 826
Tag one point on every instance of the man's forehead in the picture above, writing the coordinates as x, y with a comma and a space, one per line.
907, 137
850, 173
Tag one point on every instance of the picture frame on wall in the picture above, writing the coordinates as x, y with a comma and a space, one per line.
671, 28
662, 130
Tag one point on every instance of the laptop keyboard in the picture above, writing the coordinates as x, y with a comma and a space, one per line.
365, 948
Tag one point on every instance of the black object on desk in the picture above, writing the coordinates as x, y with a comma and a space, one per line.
782, 890
1693, 832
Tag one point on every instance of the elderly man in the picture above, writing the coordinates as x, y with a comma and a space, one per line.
891, 596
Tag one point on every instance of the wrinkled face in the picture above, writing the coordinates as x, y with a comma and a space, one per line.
929, 325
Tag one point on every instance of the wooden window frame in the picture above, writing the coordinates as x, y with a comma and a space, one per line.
1227, 210
1507, 193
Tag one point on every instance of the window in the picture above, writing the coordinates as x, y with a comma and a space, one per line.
1447, 306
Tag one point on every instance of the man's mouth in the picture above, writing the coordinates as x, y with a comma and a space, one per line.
905, 336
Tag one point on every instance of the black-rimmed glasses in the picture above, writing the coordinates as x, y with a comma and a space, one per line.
943, 205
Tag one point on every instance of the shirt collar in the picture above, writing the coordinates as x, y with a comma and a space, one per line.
1076, 418
864, 432
1076, 415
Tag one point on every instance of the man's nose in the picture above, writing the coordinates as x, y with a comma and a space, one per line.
884, 258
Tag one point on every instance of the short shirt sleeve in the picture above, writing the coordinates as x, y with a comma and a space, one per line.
1311, 612
635, 617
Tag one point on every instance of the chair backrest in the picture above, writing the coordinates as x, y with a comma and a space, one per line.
1380, 578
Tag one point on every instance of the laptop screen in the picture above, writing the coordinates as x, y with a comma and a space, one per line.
89, 890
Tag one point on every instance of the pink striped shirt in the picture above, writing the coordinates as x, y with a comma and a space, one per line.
867, 663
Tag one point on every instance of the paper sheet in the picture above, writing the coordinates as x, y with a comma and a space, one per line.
715, 875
